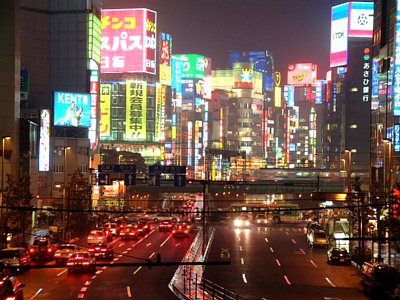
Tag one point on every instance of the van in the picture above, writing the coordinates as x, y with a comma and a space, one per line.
16, 257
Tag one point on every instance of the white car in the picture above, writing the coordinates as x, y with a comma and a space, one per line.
96, 236
241, 222
64, 252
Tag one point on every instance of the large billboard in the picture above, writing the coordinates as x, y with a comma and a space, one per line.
136, 95
302, 74
165, 59
128, 41
339, 32
71, 109
192, 65
361, 19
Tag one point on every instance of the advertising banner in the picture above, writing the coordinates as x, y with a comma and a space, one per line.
396, 137
105, 103
361, 19
128, 41
71, 109
339, 32
192, 65
302, 74
135, 129
44, 140
158, 111
319, 91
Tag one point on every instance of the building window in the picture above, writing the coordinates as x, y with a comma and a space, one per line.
82, 168
58, 168
83, 151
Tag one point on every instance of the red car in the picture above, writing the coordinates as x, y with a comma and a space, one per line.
165, 225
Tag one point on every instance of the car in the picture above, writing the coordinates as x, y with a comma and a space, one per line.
261, 219
146, 225
338, 256
190, 225
317, 238
128, 232
379, 278
81, 261
163, 216
96, 236
180, 229
241, 222
16, 257
42, 249
64, 252
11, 288
113, 227
102, 251
165, 225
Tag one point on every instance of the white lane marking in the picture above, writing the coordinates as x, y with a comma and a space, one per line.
84, 289
137, 270
114, 241
62, 272
88, 282
238, 238
81, 296
151, 255
330, 282
115, 259
125, 252
266, 239
287, 280
293, 241
148, 244
270, 248
163, 243
302, 251
314, 264
98, 272
129, 249
240, 248
277, 262
37, 293
263, 298
242, 260
287, 233
244, 278
178, 244
128, 291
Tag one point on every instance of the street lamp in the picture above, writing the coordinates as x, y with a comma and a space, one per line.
3, 237
64, 190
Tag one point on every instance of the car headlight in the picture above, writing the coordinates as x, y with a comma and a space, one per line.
238, 222
246, 223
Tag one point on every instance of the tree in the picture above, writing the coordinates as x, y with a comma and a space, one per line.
16, 195
78, 202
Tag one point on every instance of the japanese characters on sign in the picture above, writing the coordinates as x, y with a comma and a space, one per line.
165, 61
105, 103
366, 75
135, 129
128, 41
396, 138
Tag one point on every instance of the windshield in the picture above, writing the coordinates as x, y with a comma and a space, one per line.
65, 247
9, 253
320, 235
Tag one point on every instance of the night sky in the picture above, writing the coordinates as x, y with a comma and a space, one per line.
294, 31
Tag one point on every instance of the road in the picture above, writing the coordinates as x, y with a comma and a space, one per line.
274, 262
114, 282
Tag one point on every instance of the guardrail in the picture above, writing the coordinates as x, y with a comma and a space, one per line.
188, 282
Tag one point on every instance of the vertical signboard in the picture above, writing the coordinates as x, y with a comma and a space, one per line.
105, 103
163, 113
135, 129
94, 96
278, 96
396, 137
339, 30
366, 74
319, 91
396, 69
158, 116
94, 38
165, 59
44, 140
128, 41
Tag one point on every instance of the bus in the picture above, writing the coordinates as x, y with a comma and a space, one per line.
273, 213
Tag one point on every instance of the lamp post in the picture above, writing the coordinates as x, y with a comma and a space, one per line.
387, 187
64, 191
4, 220
348, 169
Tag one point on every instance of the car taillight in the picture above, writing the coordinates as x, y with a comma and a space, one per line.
103, 250
11, 298
97, 248
32, 250
49, 250
173, 231
186, 231
90, 238
70, 263
85, 263
91, 250
57, 254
